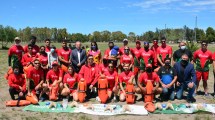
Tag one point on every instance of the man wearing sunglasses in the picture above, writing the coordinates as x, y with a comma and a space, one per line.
202, 58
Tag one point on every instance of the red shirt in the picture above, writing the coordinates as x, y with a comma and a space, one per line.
147, 56
35, 49
70, 80
202, 59
126, 59
54, 75
26, 58
17, 80
164, 52
136, 52
112, 78
123, 77
103, 68
154, 49
16, 50
47, 49
43, 59
89, 73
144, 77
107, 53
35, 75
65, 54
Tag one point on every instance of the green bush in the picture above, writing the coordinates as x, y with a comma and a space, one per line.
192, 46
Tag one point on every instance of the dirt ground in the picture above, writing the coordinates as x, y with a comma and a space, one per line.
7, 113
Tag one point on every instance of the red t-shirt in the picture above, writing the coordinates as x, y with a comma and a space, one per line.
35, 75
214, 56
147, 56
154, 49
121, 50
26, 58
43, 59
164, 52
112, 78
107, 53
126, 59
47, 49
35, 49
16, 50
136, 52
202, 59
103, 68
123, 77
17, 80
70, 80
144, 77
54, 75
65, 54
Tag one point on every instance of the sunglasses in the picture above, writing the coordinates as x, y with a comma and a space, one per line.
110, 66
204, 44
37, 63
30, 48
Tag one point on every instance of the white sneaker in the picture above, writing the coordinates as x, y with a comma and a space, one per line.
98, 99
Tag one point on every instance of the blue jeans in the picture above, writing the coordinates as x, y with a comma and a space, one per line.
180, 90
168, 92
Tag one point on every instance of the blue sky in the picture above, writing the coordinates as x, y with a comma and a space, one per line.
87, 16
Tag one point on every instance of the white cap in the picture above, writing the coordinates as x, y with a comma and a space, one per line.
16, 38
125, 40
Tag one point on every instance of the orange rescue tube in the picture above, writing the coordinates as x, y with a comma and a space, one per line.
53, 93
149, 96
32, 98
102, 89
130, 97
64, 68
10, 71
149, 106
82, 88
13, 103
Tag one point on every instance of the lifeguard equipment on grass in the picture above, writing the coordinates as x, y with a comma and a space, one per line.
102, 89
149, 106
32, 98
13, 103
130, 97
9, 72
82, 88
149, 97
53, 92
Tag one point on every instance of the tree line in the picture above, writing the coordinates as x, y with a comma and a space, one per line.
8, 33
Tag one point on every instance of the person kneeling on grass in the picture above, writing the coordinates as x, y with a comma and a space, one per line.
125, 77
69, 82
144, 77
186, 78
17, 84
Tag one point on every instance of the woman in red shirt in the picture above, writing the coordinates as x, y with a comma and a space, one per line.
70, 81
43, 57
126, 58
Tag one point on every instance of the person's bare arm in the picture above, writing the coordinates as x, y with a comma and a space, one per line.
159, 60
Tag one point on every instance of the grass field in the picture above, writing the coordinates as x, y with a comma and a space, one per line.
18, 114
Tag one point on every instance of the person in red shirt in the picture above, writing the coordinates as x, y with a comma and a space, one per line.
47, 45
125, 77
35, 79
112, 77
214, 71
17, 84
90, 73
43, 57
70, 81
28, 57
121, 50
103, 67
146, 56
64, 56
202, 58
15, 53
154, 48
126, 58
144, 77
35, 48
164, 51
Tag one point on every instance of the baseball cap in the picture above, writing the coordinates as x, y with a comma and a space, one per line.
125, 40
149, 66
16, 38
54, 63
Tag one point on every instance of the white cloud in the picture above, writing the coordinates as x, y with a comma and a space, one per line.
200, 3
151, 3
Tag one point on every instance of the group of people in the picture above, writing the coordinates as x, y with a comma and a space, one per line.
38, 69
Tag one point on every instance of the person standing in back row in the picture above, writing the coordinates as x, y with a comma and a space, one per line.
35, 48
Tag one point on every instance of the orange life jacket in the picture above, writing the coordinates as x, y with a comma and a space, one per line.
149, 96
102, 89
130, 97
82, 88
32, 98
64, 68
12, 103
27, 68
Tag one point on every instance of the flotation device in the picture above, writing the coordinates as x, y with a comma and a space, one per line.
27, 68
13, 103
32, 98
149, 96
130, 97
102, 89
10, 71
53, 92
82, 88
149, 106
64, 68
96, 59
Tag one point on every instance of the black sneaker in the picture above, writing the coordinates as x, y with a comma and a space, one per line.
191, 100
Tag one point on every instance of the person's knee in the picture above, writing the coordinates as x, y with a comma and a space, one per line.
11, 89
122, 98
65, 92
138, 91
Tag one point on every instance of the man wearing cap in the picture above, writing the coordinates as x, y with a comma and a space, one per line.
154, 48
182, 50
202, 58
35, 48
15, 53
164, 51
144, 77
121, 50
136, 52
146, 56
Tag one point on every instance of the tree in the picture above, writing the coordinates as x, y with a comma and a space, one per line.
200, 34
7, 34
105, 35
131, 36
148, 36
97, 36
118, 36
210, 34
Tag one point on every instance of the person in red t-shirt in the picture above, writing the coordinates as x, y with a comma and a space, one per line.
164, 51
121, 50
108, 54
64, 56
125, 77
126, 58
15, 53
90, 73
214, 71
35, 78
144, 77
28, 57
112, 77
154, 48
203, 59
47, 45
17, 84
70, 81
103, 67
43, 57
146, 57
35, 48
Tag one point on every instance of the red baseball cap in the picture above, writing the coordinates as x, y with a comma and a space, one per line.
54, 63
149, 65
